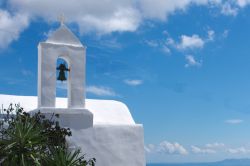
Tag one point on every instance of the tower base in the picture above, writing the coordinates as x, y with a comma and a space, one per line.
73, 118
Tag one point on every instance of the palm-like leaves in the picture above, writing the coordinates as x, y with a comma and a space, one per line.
61, 157
23, 142
33, 140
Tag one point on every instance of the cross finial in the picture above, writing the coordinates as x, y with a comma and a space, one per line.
61, 18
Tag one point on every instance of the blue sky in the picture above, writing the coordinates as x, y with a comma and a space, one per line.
182, 67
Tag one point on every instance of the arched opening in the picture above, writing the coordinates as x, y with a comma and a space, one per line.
62, 81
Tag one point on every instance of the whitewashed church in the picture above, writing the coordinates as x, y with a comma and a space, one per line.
103, 129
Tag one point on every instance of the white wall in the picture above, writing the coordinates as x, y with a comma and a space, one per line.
111, 145
114, 139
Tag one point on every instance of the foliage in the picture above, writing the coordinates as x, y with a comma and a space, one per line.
60, 157
35, 140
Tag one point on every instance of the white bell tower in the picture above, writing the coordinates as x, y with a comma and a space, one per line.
61, 44
65, 45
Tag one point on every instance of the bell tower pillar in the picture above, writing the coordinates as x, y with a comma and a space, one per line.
48, 53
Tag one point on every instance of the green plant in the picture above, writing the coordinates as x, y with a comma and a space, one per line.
34, 140
61, 157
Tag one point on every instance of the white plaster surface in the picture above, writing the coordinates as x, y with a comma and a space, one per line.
114, 139
63, 35
68, 117
104, 111
61, 44
112, 145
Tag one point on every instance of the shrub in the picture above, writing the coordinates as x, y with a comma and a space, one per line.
34, 140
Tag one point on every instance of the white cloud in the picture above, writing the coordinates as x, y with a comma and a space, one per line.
100, 91
241, 150
170, 42
225, 33
160, 44
191, 61
190, 42
165, 49
11, 26
152, 43
104, 16
227, 9
166, 148
26, 72
175, 148
149, 148
211, 35
161, 9
208, 148
110, 43
234, 121
215, 145
199, 150
91, 15
242, 3
133, 82
171, 148
62, 85
96, 90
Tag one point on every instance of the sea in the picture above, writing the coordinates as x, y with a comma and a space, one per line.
198, 164
227, 162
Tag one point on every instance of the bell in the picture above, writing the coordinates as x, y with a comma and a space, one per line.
61, 76
62, 68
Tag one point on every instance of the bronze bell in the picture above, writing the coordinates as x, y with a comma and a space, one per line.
62, 68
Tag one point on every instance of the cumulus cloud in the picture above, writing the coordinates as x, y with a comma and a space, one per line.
100, 91
133, 82
210, 148
227, 9
211, 35
191, 61
26, 72
234, 121
242, 3
190, 42
101, 16
171, 148
166, 148
161, 9
159, 44
215, 145
152, 43
175, 148
95, 90
219, 147
185, 44
196, 149
104, 16
11, 25
62, 85
149, 148
240, 150
225, 33
165, 49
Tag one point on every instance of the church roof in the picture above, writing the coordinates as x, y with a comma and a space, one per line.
104, 111
63, 35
